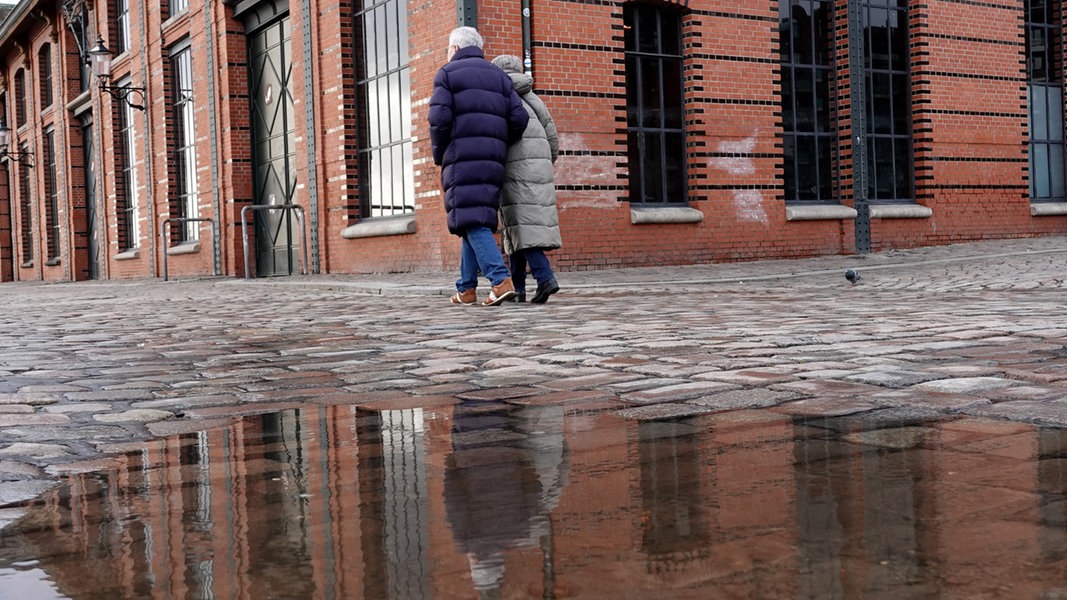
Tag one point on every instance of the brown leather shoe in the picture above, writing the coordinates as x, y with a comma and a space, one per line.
466, 297
500, 292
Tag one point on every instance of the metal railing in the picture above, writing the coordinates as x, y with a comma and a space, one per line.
287, 207
163, 239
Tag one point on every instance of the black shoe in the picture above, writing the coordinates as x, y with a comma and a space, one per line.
544, 290
518, 297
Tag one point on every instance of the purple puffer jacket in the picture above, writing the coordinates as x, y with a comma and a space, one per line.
474, 115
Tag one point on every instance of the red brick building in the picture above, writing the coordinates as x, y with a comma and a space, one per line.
707, 130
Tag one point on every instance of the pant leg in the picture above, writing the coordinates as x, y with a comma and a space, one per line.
468, 267
539, 265
490, 260
518, 270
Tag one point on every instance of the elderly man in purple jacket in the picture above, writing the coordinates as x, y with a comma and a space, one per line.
474, 115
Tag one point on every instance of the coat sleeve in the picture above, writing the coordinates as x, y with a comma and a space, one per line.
518, 118
548, 123
440, 117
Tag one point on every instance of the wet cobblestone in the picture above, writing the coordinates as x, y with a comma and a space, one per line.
87, 369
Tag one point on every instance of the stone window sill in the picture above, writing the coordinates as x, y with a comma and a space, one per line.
819, 212
1048, 209
191, 247
131, 254
380, 227
900, 211
645, 215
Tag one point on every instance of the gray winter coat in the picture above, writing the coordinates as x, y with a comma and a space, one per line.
528, 199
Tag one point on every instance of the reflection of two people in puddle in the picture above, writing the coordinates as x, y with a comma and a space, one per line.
503, 479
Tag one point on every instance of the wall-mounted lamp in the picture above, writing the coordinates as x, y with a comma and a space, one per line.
5, 140
100, 57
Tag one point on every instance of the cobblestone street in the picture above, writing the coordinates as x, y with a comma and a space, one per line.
93, 369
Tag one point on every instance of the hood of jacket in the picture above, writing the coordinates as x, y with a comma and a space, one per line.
523, 82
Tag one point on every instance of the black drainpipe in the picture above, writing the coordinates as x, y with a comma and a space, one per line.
527, 42
467, 13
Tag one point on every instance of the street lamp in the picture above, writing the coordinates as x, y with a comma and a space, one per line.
5, 142
100, 58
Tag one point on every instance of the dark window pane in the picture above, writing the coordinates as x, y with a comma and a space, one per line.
672, 94
881, 103
807, 176
652, 110
878, 38
633, 150
802, 43
647, 28
883, 169
790, 173
1055, 168
788, 108
675, 167
902, 169
822, 100
826, 191
652, 159
901, 109
1040, 174
670, 36
805, 102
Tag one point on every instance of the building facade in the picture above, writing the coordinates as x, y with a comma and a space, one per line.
269, 137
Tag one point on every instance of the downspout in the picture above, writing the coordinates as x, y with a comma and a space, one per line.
150, 181
467, 13
309, 134
527, 39
216, 243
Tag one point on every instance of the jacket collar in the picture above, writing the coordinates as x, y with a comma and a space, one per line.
468, 52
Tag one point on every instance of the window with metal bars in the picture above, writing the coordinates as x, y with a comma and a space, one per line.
1044, 74
887, 77
20, 98
655, 121
182, 112
51, 191
44, 75
808, 114
127, 189
121, 14
26, 220
383, 86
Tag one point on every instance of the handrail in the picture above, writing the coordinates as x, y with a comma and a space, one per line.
163, 238
303, 231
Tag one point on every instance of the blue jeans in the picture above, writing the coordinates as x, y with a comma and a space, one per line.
479, 251
539, 267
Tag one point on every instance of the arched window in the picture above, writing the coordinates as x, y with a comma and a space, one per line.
44, 75
20, 98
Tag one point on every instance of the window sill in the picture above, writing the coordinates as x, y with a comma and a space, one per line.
380, 227
819, 212
184, 248
900, 211
648, 215
52, 262
1048, 209
130, 254
26, 265
82, 104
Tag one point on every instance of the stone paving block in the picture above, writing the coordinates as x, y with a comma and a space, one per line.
655, 412
824, 407
81, 407
675, 392
16, 409
746, 377
35, 450
14, 469
644, 383
32, 419
137, 415
744, 398
174, 427
899, 438
500, 394
965, 385
1041, 413
15, 492
95, 465
109, 396
391, 384
828, 387
892, 378
590, 381
550, 397
33, 399
407, 402
1035, 393
456, 387
244, 410
925, 399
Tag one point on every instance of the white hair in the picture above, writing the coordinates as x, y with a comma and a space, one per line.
465, 36
508, 63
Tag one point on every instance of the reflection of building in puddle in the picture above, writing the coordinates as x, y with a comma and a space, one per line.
298, 504
493, 500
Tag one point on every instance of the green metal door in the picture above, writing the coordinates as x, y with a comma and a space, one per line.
273, 153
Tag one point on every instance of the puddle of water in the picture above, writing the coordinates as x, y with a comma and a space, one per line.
488, 500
